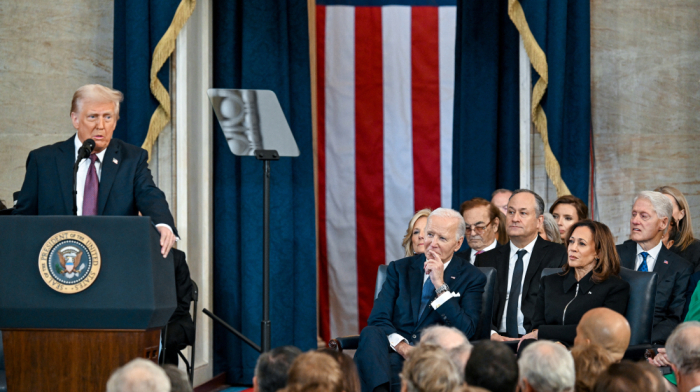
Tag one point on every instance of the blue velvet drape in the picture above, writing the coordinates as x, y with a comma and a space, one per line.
263, 44
138, 26
486, 141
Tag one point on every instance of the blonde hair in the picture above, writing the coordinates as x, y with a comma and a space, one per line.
685, 225
97, 93
407, 243
314, 371
428, 369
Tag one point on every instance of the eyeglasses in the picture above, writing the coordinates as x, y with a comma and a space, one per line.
478, 229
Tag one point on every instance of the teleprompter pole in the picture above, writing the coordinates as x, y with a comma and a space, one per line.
266, 326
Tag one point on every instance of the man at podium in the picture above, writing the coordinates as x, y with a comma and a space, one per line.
113, 179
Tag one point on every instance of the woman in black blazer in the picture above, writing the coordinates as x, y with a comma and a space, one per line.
590, 279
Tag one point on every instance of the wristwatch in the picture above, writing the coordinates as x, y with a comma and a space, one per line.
442, 289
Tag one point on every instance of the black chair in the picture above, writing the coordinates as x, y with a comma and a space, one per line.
483, 328
189, 365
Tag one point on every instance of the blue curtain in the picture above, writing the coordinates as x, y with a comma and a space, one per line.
263, 44
486, 140
138, 26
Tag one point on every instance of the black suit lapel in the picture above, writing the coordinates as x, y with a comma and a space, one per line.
539, 252
660, 267
109, 173
502, 269
64, 165
628, 254
416, 281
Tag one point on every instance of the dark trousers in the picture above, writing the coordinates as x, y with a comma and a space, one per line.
177, 340
377, 363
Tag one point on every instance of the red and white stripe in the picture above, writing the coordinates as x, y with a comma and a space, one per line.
385, 107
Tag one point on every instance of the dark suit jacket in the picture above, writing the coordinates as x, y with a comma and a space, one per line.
670, 290
467, 254
545, 254
126, 184
183, 287
557, 321
691, 254
396, 308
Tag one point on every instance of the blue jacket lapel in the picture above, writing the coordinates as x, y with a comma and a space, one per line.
452, 270
109, 173
64, 165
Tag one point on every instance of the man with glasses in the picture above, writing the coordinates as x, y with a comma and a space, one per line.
482, 221
519, 266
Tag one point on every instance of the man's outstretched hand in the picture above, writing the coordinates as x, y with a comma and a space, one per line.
167, 240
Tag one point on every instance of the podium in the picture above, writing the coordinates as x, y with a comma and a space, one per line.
79, 297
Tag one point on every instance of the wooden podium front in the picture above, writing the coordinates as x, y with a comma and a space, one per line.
63, 335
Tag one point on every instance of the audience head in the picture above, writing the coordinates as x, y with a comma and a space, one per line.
444, 233
628, 376
683, 350
314, 371
178, 379
681, 213
452, 340
139, 375
351, 380
484, 223
605, 328
590, 361
492, 365
549, 230
546, 367
568, 210
592, 247
272, 368
500, 197
524, 217
672, 235
430, 369
650, 216
414, 240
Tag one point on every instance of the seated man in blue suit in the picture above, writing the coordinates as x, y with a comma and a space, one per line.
419, 291
114, 180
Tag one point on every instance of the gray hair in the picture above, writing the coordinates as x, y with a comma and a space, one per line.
683, 347
451, 339
539, 203
430, 369
450, 213
551, 228
139, 375
96, 92
547, 367
660, 203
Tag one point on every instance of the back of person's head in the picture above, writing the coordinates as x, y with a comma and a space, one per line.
551, 229
429, 369
683, 347
628, 376
178, 379
492, 365
272, 368
312, 371
547, 367
139, 375
590, 361
351, 380
606, 328
452, 340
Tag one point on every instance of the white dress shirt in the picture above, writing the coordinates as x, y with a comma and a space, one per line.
486, 249
395, 338
511, 266
651, 259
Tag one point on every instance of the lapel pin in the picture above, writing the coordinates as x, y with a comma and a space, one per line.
452, 277
116, 162
665, 261
590, 292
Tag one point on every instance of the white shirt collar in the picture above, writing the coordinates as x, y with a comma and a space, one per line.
653, 254
78, 144
528, 247
486, 249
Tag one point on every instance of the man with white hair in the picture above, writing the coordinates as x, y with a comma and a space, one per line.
546, 367
419, 291
645, 252
139, 375
683, 350
451, 340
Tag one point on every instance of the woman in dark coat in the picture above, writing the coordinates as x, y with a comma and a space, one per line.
590, 279
686, 245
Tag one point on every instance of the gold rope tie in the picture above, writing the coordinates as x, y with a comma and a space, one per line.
165, 47
539, 62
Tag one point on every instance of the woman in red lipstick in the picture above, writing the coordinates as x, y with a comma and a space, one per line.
590, 279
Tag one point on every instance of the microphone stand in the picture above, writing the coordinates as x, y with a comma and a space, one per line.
75, 183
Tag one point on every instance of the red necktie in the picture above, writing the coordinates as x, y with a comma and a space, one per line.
92, 184
479, 252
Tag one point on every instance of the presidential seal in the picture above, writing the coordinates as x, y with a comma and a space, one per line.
69, 262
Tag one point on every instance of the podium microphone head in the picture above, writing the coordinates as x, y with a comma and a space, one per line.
86, 149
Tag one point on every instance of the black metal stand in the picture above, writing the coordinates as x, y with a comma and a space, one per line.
265, 325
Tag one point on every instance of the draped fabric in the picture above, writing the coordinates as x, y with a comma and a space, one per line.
138, 26
486, 138
263, 44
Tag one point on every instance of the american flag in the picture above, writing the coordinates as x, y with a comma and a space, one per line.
385, 109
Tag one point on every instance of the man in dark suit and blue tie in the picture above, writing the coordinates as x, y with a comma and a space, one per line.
114, 180
419, 291
644, 251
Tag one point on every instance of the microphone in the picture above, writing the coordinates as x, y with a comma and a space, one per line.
85, 150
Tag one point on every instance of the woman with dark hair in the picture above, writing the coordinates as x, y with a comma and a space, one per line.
687, 246
568, 210
590, 279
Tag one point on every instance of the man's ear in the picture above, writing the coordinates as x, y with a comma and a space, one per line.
664, 224
74, 119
